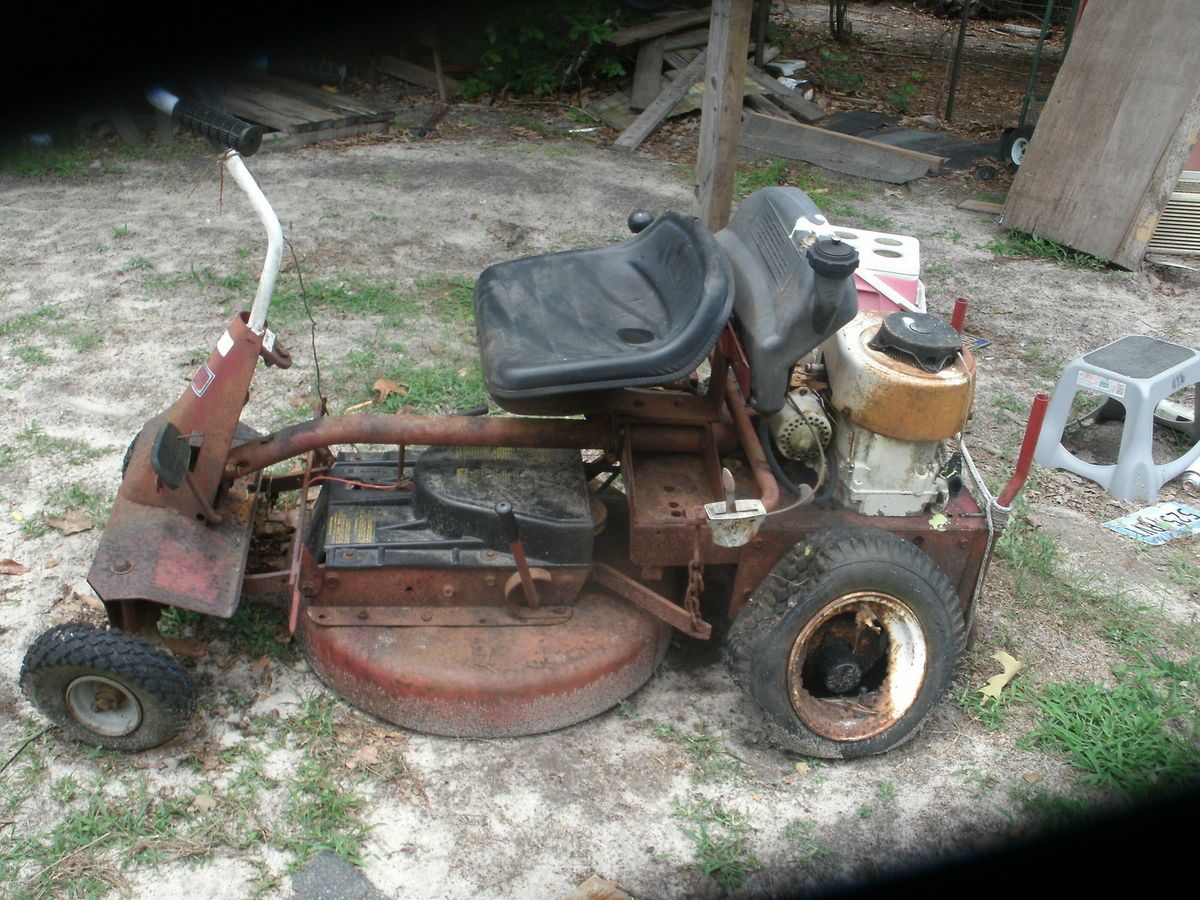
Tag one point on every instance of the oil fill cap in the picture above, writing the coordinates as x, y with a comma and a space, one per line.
930, 341
833, 258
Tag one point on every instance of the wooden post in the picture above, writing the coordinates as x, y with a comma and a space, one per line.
721, 116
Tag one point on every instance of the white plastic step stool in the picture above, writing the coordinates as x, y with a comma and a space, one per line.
1139, 371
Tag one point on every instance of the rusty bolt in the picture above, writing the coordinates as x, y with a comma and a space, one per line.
489, 580
306, 587
758, 542
362, 614
121, 567
447, 590
349, 554
963, 544
560, 610
489, 554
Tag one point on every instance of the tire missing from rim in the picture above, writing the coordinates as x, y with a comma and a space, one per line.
107, 688
849, 644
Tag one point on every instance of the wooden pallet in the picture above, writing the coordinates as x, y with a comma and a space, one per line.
298, 113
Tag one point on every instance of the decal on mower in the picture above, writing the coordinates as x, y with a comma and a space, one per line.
225, 344
351, 527
203, 378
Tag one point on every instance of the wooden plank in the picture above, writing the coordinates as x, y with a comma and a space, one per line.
982, 206
647, 76
686, 40
1111, 137
830, 150
288, 106
654, 114
120, 119
635, 34
417, 75
721, 113
278, 140
805, 109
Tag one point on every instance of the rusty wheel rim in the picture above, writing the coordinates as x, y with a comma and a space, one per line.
857, 666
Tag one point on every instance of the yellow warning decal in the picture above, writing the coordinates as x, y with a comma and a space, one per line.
356, 526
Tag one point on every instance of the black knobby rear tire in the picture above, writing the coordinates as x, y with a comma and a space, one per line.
107, 688
849, 643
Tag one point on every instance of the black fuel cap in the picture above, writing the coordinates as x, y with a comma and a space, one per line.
833, 258
931, 341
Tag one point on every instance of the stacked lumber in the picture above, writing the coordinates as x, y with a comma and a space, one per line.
668, 79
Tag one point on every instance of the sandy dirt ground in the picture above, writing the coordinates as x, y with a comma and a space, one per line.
114, 286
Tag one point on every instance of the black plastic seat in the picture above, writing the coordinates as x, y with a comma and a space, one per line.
643, 312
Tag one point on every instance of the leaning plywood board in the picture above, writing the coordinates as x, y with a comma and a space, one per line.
1115, 131
831, 150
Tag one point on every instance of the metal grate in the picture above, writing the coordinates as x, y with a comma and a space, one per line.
1178, 229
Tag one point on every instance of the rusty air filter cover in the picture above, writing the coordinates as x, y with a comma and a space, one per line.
930, 341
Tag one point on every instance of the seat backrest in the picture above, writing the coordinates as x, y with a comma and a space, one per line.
782, 310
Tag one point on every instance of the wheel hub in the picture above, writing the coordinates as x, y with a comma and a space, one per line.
857, 666
103, 705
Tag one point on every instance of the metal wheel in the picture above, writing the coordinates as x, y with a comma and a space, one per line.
849, 644
857, 667
107, 688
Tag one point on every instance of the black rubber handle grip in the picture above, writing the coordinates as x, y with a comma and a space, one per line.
228, 131
508, 521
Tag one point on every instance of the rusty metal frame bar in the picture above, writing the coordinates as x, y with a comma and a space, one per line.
651, 601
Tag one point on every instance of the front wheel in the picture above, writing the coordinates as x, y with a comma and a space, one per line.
107, 688
849, 643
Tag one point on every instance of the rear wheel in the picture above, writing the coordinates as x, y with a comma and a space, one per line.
849, 643
107, 688
1014, 142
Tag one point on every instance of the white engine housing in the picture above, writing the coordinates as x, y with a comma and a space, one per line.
883, 476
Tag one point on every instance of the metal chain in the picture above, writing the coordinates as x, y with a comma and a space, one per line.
691, 598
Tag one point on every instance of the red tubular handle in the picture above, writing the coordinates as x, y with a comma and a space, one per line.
1037, 415
958, 318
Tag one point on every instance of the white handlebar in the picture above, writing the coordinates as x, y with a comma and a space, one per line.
232, 161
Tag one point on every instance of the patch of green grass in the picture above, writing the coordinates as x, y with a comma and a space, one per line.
137, 264
437, 388
33, 356
872, 221
755, 176
708, 758
981, 782
907, 91
1010, 402
887, 791
1184, 572
63, 500
865, 810
575, 114
1022, 245
85, 340
937, 271
1137, 736
721, 839
22, 327
808, 849
120, 231
1053, 811
59, 161
34, 442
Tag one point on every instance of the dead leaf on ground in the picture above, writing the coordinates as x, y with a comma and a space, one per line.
72, 523
204, 803
997, 683
183, 646
385, 387
256, 667
50, 563
803, 768
1032, 777
596, 888
364, 756
12, 567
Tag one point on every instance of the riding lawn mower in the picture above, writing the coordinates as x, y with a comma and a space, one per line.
701, 428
